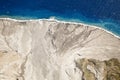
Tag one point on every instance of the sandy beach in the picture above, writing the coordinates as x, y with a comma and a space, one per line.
53, 19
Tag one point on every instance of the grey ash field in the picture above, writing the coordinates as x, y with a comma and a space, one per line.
54, 50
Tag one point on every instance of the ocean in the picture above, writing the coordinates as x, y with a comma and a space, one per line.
102, 13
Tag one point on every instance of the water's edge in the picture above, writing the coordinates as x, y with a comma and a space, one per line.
62, 21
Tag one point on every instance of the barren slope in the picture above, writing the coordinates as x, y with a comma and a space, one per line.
52, 50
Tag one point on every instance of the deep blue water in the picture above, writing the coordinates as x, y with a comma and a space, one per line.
104, 13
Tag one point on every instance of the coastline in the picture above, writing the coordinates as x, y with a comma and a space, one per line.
62, 21
61, 45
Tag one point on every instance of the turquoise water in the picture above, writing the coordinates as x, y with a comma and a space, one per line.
103, 13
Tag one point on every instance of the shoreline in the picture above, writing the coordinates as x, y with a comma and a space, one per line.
62, 21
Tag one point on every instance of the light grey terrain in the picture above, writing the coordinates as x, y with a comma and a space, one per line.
53, 50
